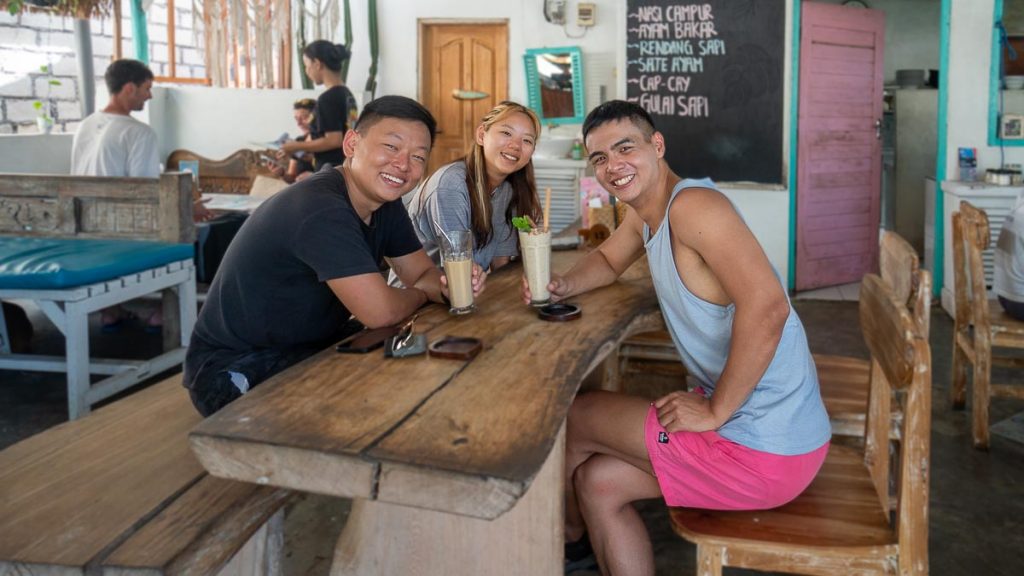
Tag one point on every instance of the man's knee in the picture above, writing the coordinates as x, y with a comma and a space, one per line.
211, 394
597, 481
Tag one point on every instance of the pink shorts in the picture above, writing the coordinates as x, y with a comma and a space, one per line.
704, 470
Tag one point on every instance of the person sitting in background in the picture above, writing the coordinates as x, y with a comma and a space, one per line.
111, 142
308, 261
484, 190
335, 107
1008, 273
299, 165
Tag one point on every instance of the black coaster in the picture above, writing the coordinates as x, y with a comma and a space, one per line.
559, 312
455, 347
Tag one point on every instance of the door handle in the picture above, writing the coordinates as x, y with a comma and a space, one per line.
878, 129
468, 94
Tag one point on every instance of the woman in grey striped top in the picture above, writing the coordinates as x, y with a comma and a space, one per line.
484, 190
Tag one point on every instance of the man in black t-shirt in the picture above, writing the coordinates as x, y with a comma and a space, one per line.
308, 260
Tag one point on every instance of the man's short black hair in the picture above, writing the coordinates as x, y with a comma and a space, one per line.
396, 107
121, 72
619, 110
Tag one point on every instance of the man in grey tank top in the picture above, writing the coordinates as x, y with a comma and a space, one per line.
755, 432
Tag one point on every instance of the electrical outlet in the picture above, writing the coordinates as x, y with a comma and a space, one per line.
586, 14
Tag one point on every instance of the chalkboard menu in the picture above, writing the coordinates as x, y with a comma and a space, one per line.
710, 73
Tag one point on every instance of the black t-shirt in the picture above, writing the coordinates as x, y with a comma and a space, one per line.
271, 289
335, 112
305, 164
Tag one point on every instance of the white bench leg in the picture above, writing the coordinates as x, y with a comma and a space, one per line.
187, 308
76, 333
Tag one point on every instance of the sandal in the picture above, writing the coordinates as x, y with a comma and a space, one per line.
113, 326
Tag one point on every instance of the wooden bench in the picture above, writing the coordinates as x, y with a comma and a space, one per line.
78, 207
841, 523
120, 492
232, 175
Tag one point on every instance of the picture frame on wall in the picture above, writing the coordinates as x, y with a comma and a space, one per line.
1011, 127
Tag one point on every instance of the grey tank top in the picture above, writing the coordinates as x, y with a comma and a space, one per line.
784, 414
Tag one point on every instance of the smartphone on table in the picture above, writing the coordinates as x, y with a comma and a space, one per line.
366, 340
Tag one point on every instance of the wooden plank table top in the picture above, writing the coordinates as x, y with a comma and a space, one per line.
465, 437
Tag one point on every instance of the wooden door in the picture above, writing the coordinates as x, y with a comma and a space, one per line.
840, 149
463, 74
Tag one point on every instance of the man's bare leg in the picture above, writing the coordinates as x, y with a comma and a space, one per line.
606, 488
602, 423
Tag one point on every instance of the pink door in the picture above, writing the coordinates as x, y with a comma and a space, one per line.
839, 148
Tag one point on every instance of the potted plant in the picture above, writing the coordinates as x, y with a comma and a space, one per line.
44, 108
73, 8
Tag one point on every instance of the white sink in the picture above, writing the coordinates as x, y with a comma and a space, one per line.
548, 147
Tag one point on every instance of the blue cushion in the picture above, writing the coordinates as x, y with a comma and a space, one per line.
56, 263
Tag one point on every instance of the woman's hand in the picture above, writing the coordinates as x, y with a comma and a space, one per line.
682, 411
479, 279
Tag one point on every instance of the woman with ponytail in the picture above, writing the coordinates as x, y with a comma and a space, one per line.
335, 108
484, 190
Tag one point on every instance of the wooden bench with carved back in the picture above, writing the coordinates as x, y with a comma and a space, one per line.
77, 244
232, 175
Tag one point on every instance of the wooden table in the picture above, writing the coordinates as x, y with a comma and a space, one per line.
455, 466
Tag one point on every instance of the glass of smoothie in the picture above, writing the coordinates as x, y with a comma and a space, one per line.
457, 256
536, 248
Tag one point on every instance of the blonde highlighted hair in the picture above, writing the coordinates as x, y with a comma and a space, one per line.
524, 200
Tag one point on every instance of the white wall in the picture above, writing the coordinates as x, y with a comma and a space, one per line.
36, 153
398, 31
214, 122
970, 59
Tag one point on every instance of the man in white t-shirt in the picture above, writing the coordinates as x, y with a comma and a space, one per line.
111, 142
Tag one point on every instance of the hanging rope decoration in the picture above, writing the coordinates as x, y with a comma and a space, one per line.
325, 17
243, 40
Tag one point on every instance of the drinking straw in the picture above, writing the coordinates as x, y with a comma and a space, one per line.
547, 208
443, 233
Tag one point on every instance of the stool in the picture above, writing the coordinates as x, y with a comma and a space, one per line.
70, 278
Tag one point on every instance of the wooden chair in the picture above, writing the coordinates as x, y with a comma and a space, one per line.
232, 175
841, 523
844, 380
993, 328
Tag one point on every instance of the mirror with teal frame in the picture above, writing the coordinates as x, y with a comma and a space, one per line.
1007, 32
554, 82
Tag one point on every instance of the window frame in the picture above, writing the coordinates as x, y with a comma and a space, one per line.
994, 139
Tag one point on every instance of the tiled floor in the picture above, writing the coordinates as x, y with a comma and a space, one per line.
845, 292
